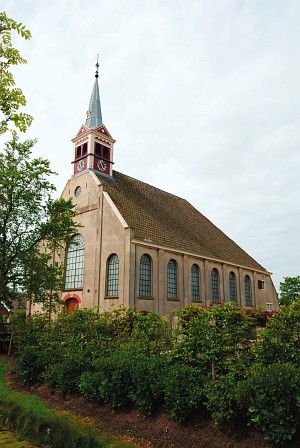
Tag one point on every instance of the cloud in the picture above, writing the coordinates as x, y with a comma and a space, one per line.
202, 97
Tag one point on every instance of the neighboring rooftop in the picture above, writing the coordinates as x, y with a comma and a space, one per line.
167, 220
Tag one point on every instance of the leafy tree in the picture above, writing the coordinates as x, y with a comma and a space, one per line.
33, 227
289, 290
11, 97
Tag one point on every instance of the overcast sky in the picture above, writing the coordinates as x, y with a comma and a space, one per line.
202, 97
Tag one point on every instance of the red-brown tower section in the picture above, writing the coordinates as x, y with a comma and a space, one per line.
93, 144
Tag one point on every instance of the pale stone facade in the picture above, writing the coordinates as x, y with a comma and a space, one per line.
125, 218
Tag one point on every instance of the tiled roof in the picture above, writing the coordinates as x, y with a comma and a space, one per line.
170, 221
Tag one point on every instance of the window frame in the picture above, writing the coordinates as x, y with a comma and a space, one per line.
172, 280
248, 289
112, 276
145, 277
232, 286
74, 263
215, 275
195, 282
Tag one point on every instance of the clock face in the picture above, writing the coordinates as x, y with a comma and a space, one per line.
80, 165
101, 165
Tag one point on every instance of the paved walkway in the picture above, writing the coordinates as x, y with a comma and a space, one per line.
11, 440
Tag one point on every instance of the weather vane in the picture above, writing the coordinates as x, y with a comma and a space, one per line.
97, 66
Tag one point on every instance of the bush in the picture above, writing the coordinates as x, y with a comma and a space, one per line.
146, 381
272, 395
222, 401
29, 365
114, 378
183, 390
89, 385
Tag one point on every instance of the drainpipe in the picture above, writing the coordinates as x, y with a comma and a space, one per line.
134, 287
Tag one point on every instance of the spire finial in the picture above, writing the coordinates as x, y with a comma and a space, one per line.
97, 66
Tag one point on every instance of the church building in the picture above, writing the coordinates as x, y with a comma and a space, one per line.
142, 247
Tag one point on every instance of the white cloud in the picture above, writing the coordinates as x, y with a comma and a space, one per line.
202, 97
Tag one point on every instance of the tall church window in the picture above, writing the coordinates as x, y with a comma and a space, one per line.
74, 263
145, 276
195, 282
215, 285
112, 276
172, 280
232, 287
248, 295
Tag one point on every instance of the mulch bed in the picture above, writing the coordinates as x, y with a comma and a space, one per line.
158, 431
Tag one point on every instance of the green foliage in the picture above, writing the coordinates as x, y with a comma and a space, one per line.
220, 335
11, 97
272, 395
147, 374
289, 290
222, 401
114, 379
280, 341
27, 415
32, 225
212, 362
183, 390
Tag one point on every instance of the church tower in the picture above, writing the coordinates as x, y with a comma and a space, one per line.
93, 144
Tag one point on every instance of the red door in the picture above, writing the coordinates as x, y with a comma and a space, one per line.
71, 303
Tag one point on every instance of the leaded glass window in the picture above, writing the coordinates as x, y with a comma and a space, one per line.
248, 298
145, 276
232, 287
74, 263
195, 283
215, 285
172, 279
112, 276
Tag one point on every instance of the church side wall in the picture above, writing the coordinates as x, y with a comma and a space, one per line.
159, 301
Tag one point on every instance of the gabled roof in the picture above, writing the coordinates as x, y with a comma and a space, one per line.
167, 220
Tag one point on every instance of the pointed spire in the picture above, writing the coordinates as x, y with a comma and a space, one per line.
93, 115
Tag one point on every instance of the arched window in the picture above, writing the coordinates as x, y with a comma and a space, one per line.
232, 287
248, 296
172, 280
195, 283
145, 276
84, 149
215, 285
78, 151
112, 276
74, 263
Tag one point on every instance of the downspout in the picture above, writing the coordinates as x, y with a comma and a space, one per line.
134, 287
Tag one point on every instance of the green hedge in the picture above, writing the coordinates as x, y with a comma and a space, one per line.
29, 417
213, 360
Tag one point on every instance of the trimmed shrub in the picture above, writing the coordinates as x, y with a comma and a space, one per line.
29, 365
272, 396
183, 391
146, 381
114, 378
222, 401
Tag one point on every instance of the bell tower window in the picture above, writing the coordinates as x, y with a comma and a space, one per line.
102, 151
105, 152
98, 149
78, 152
84, 149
